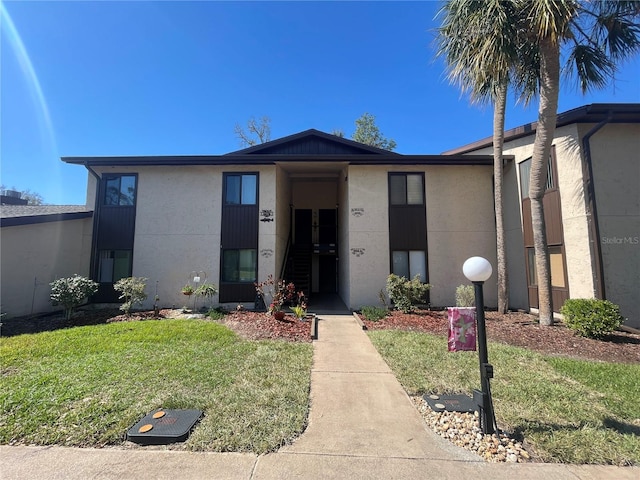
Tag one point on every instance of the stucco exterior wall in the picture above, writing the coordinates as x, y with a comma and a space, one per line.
459, 210
178, 221
368, 217
282, 219
616, 171
575, 226
32, 256
460, 224
344, 224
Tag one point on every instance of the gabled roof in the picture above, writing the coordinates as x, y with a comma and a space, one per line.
593, 113
313, 142
13, 215
308, 146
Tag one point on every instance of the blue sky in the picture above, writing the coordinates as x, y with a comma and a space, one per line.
174, 78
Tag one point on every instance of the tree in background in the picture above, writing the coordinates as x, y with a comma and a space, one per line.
32, 198
367, 132
257, 131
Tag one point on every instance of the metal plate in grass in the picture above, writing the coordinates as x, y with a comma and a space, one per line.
164, 426
450, 403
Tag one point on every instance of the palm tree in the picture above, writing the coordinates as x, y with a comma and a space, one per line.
489, 45
477, 41
594, 36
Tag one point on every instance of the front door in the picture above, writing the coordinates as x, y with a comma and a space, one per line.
303, 227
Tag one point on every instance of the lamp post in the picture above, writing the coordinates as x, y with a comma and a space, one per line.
478, 270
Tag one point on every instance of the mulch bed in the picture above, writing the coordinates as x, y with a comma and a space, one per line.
522, 330
518, 329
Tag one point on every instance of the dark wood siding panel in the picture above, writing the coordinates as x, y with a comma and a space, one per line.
237, 292
407, 228
116, 228
240, 226
311, 146
526, 222
553, 217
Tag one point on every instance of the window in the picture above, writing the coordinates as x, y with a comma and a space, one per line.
409, 263
556, 264
120, 190
525, 174
239, 265
114, 265
241, 189
406, 189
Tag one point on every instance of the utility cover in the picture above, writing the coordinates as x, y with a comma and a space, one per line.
164, 426
450, 403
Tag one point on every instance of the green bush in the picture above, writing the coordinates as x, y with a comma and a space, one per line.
131, 291
71, 292
465, 296
590, 317
216, 313
405, 294
373, 314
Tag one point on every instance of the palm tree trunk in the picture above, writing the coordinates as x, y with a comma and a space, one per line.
498, 142
547, 111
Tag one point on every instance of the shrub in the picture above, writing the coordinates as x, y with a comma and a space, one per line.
465, 296
590, 317
131, 291
406, 293
373, 314
71, 292
216, 313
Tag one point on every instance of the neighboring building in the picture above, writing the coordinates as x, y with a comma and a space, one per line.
38, 244
592, 208
329, 214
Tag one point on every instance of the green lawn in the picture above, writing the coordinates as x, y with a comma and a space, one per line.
569, 410
86, 386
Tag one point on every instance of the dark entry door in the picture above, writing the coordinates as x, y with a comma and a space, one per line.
327, 274
327, 223
303, 227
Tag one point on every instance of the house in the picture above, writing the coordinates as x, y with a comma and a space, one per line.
336, 216
592, 208
40, 243
330, 214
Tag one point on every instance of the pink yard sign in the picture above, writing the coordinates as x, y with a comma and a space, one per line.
462, 329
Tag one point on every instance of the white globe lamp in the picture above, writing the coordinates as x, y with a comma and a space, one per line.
477, 269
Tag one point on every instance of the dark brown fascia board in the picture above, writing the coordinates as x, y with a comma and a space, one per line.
33, 219
269, 159
592, 113
310, 133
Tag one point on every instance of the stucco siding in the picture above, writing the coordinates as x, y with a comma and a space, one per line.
344, 224
177, 229
368, 254
616, 171
460, 224
34, 255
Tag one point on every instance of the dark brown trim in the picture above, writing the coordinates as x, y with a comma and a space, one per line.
34, 219
273, 159
593, 113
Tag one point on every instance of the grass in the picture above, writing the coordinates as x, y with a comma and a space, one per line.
86, 386
570, 411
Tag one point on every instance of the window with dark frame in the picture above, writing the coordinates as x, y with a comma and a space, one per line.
406, 189
240, 265
241, 189
114, 265
409, 263
525, 173
120, 190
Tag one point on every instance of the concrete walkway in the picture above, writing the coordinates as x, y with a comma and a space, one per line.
362, 425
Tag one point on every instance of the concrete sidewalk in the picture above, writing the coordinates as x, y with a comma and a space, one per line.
362, 425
